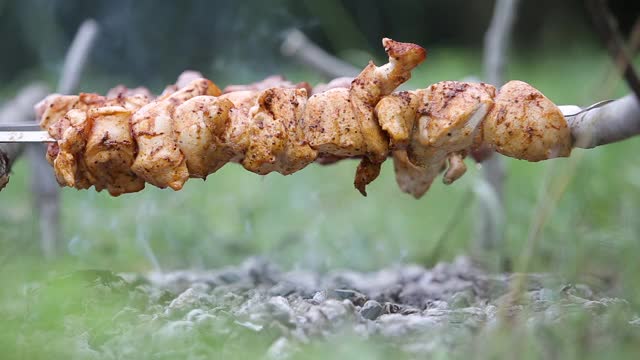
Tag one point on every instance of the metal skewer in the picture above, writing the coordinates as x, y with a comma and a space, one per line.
23, 133
32, 133
591, 107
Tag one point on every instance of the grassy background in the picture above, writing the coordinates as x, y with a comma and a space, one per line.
315, 219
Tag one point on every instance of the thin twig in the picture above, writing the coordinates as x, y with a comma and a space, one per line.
454, 219
497, 39
297, 45
490, 229
77, 57
618, 65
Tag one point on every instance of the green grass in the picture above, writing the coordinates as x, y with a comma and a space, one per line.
315, 219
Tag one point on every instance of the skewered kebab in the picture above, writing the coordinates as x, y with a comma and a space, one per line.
123, 140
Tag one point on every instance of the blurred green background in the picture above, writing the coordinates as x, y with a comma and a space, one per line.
314, 218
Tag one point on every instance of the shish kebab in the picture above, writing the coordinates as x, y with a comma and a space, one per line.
125, 139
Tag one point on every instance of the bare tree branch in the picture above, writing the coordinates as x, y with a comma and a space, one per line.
44, 186
490, 190
611, 77
77, 56
497, 39
297, 45
607, 28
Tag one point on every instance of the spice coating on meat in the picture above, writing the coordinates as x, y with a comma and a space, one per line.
526, 125
160, 161
124, 140
111, 150
199, 134
276, 139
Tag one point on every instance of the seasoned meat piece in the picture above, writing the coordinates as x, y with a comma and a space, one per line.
367, 90
450, 113
159, 160
65, 118
244, 99
68, 164
341, 82
200, 124
331, 127
375, 82
366, 172
122, 91
341, 122
110, 151
134, 102
456, 167
524, 124
238, 134
183, 80
416, 180
52, 110
413, 179
274, 81
276, 142
396, 115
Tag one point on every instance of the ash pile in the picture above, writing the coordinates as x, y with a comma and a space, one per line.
419, 310
257, 309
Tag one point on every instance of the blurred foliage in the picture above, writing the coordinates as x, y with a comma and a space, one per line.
151, 42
